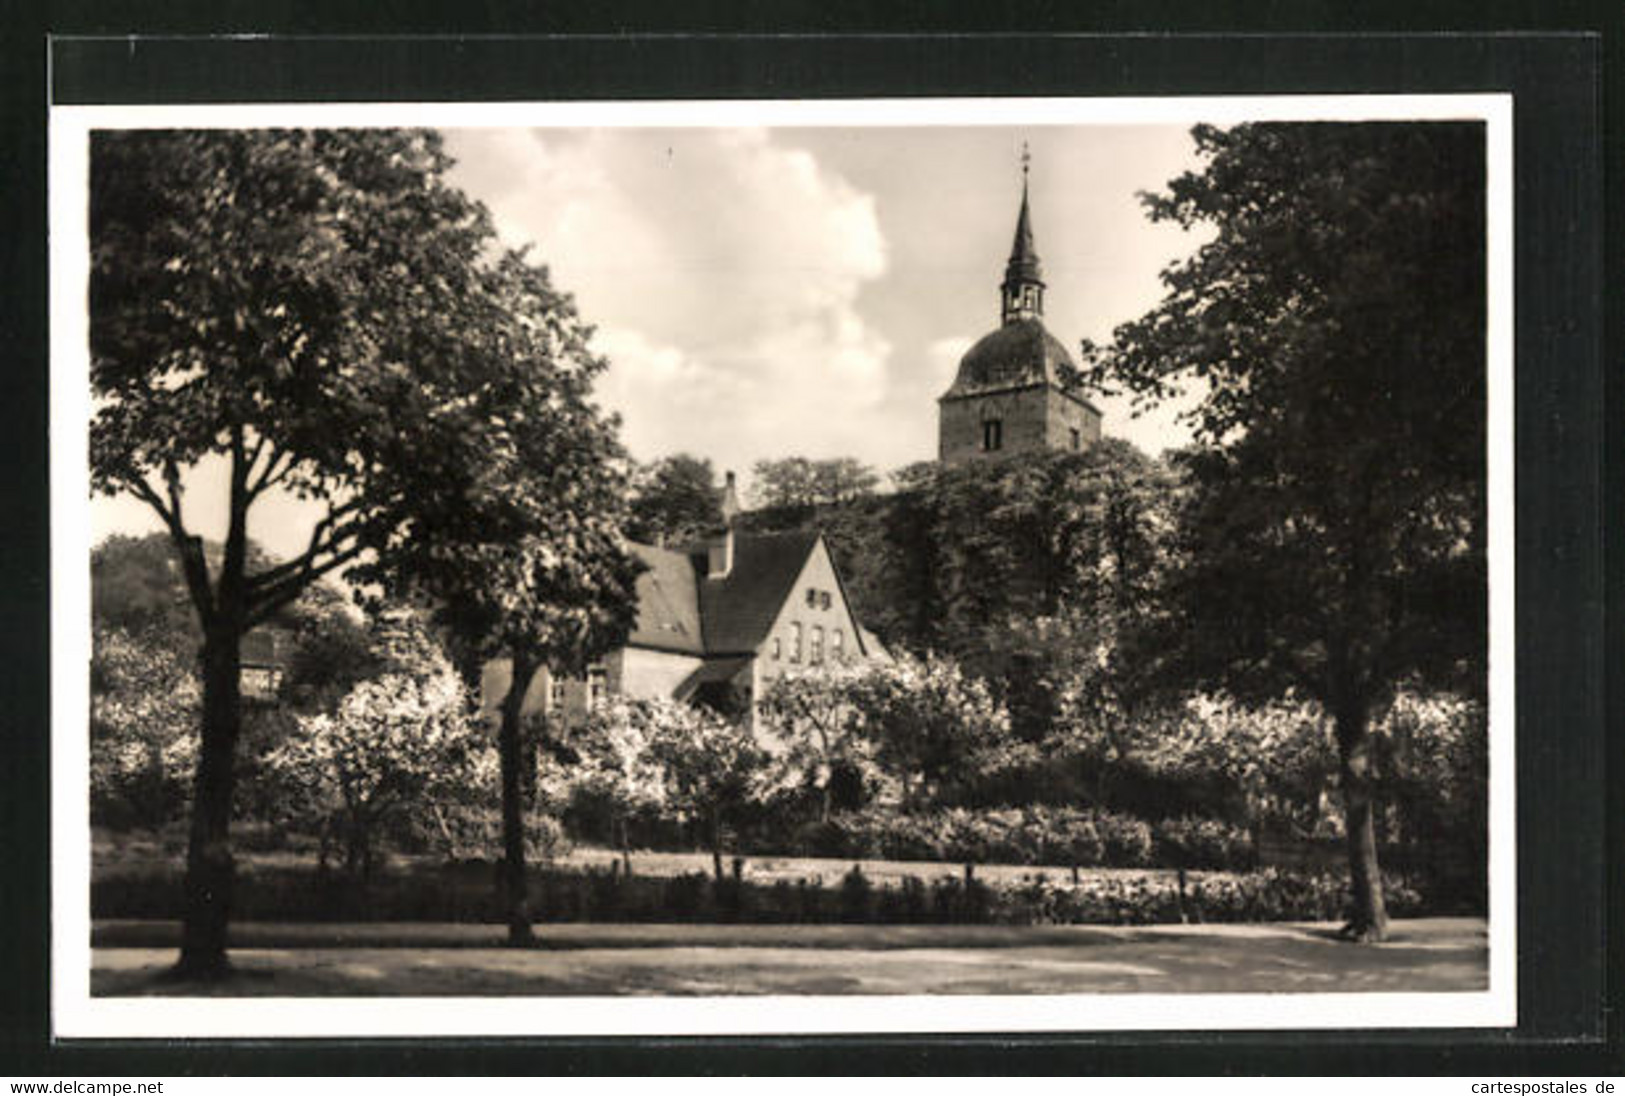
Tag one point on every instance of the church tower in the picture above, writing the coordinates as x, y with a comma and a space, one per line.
1014, 392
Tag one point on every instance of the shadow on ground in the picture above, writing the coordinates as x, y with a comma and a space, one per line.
609, 960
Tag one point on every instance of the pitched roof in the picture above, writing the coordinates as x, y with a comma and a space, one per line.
739, 610
680, 609
668, 602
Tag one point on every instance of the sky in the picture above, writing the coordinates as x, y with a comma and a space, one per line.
802, 291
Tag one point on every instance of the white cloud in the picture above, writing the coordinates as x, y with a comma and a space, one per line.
723, 271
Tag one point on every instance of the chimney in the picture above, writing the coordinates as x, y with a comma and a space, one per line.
721, 562
730, 501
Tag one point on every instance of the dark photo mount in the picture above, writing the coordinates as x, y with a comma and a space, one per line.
1562, 790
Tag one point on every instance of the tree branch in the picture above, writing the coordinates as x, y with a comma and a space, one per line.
317, 545
188, 547
275, 471
267, 602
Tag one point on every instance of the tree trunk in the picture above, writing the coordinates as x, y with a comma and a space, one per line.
716, 843
209, 865
511, 749
626, 846
1369, 921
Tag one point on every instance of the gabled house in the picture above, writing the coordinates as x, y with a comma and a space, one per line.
715, 623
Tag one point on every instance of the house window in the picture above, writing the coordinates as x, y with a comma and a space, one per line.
555, 693
817, 644
1077, 438
597, 686
812, 598
778, 648
837, 645
823, 599
795, 641
992, 434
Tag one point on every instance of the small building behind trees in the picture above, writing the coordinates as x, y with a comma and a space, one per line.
716, 621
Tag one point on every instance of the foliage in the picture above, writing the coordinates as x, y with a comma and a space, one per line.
675, 500
1037, 835
144, 702
712, 768
136, 587
1432, 752
1201, 843
932, 726
461, 893
798, 481
1332, 542
676, 760
616, 769
394, 746
320, 312
1276, 758
815, 730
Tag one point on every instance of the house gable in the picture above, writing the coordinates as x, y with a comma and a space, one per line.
815, 609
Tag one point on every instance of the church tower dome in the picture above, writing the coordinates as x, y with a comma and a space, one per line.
1016, 388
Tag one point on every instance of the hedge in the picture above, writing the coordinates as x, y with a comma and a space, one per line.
467, 893
1032, 836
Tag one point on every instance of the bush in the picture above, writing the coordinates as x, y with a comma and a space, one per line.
1025, 835
468, 832
1201, 843
468, 893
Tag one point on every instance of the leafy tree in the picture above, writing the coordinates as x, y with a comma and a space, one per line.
524, 559
812, 716
675, 500
1333, 539
799, 481
618, 768
144, 703
932, 726
711, 767
311, 309
1276, 758
136, 587
392, 744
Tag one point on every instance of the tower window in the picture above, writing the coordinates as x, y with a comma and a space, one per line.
1077, 438
992, 434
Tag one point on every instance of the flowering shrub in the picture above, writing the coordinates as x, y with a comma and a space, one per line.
145, 704
400, 743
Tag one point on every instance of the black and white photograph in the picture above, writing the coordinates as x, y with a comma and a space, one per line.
683, 567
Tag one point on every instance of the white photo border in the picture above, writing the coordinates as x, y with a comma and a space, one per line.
76, 1014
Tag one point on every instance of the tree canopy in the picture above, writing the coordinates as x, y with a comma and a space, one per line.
1332, 542
676, 500
800, 481
324, 313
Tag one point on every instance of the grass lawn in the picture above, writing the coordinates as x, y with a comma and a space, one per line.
1431, 955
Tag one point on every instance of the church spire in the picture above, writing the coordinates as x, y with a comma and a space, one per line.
1023, 286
